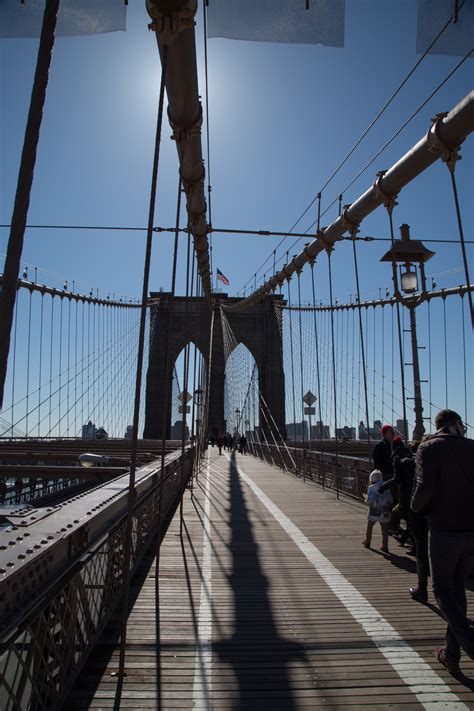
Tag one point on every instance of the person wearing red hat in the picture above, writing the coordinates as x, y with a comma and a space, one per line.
383, 453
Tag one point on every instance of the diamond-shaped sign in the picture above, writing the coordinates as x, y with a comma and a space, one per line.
185, 396
309, 398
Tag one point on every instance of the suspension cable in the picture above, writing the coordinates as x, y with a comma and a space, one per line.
141, 343
362, 346
336, 448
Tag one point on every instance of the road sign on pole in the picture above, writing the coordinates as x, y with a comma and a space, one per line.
184, 397
309, 399
309, 410
182, 409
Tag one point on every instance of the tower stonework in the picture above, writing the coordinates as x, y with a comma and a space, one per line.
259, 328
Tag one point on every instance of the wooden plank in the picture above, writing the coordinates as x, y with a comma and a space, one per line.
280, 636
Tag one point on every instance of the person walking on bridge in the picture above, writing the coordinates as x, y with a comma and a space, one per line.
403, 464
445, 493
383, 453
379, 509
220, 442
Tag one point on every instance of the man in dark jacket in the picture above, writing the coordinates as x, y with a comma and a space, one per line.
383, 453
445, 493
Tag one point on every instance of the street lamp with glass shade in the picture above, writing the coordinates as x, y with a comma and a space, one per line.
408, 252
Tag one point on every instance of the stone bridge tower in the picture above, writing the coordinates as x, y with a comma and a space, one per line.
259, 328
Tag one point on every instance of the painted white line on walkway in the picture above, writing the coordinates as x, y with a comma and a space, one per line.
202, 687
429, 688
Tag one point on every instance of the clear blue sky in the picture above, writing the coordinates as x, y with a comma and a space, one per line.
282, 116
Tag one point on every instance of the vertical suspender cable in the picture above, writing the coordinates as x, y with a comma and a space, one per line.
292, 362
60, 361
361, 339
185, 381
445, 329
302, 377
464, 357
28, 348
318, 375
334, 383
429, 362
392, 362
68, 364
51, 363
40, 361
25, 181
15, 331
451, 165
82, 362
383, 363
400, 328
353, 368
141, 342
373, 366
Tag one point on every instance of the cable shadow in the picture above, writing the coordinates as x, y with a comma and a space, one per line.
255, 642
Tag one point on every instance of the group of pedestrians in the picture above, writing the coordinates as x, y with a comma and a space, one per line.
230, 443
431, 487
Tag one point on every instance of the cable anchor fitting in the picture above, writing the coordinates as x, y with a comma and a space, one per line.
168, 25
327, 246
350, 226
449, 154
389, 201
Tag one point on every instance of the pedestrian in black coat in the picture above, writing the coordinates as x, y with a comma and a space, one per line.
445, 494
382, 455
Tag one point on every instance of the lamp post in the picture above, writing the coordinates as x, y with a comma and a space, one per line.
409, 253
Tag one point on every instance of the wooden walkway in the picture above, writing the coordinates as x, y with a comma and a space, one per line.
270, 601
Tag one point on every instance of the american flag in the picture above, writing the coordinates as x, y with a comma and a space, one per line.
222, 278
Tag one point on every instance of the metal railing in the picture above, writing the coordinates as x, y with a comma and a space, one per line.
43, 654
340, 473
28, 494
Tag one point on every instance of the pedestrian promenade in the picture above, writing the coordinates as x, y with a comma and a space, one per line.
269, 600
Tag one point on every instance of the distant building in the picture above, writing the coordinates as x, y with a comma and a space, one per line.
402, 427
129, 432
89, 431
177, 430
320, 431
346, 432
375, 432
297, 431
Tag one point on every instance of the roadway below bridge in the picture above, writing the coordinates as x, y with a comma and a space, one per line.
269, 600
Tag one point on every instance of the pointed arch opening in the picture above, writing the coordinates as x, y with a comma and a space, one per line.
241, 394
